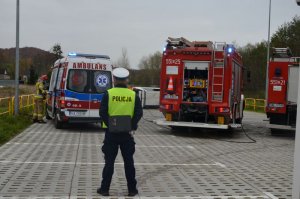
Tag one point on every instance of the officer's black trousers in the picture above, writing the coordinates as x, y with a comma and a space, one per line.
112, 142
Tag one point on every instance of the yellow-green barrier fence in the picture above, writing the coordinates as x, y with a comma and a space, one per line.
255, 104
7, 104
26, 101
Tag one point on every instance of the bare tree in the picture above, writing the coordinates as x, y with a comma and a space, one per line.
151, 62
123, 61
150, 69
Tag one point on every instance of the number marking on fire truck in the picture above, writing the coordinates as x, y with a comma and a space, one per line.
173, 61
277, 82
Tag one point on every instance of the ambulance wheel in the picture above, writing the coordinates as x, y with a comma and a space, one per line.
58, 124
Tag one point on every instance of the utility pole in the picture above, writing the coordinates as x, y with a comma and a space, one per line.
296, 175
17, 61
268, 52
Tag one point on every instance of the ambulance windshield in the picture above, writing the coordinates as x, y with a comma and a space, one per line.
89, 81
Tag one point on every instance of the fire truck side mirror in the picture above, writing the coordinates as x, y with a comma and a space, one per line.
248, 76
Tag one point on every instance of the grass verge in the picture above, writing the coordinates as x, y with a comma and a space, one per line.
23, 90
10, 126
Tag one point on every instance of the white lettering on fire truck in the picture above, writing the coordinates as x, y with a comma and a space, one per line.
173, 61
277, 82
93, 66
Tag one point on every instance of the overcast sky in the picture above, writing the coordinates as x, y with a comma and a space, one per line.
142, 27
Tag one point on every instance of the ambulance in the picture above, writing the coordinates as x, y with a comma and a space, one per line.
77, 85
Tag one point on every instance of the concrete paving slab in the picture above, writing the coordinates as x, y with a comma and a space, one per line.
43, 162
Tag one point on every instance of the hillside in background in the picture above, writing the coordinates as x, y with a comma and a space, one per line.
33, 62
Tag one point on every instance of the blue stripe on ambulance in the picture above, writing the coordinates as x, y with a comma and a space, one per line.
83, 96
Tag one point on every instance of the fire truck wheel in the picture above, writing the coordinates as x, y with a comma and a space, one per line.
177, 128
228, 132
239, 120
275, 132
58, 124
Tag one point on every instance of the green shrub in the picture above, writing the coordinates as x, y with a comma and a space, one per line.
10, 126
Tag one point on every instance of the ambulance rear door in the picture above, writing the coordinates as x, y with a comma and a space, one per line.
100, 81
77, 96
84, 92
54, 92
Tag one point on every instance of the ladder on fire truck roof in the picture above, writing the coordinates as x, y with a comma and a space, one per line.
284, 54
182, 42
218, 65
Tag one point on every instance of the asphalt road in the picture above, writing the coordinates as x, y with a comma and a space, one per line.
43, 162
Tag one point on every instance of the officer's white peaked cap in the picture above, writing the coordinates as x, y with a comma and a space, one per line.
121, 73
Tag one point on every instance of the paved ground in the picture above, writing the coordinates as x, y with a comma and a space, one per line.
43, 162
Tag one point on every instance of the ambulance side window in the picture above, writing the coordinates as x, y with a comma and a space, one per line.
61, 70
53, 79
101, 82
77, 80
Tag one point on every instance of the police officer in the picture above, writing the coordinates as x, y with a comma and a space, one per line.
39, 97
119, 102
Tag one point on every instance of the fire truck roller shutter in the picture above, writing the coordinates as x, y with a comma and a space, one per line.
193, 65
292, 93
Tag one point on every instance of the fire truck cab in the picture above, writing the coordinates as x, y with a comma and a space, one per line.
282, 93
201, 85
77, 85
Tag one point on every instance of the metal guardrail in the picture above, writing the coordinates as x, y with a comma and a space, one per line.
255, 104
7, 103
26, 101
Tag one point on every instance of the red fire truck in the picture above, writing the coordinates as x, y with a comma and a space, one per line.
201, 85
282, 85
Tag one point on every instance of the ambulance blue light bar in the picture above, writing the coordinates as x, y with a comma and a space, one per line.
72, 54
91, 56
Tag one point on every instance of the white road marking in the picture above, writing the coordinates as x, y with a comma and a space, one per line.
139, 135
102, 163
220, 164
270, 195
157, 146
97, 145
204, 197
159, 197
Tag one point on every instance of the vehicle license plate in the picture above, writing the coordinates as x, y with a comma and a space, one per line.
77, 113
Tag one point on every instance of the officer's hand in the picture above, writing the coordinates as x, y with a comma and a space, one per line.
134, 127
132, 133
